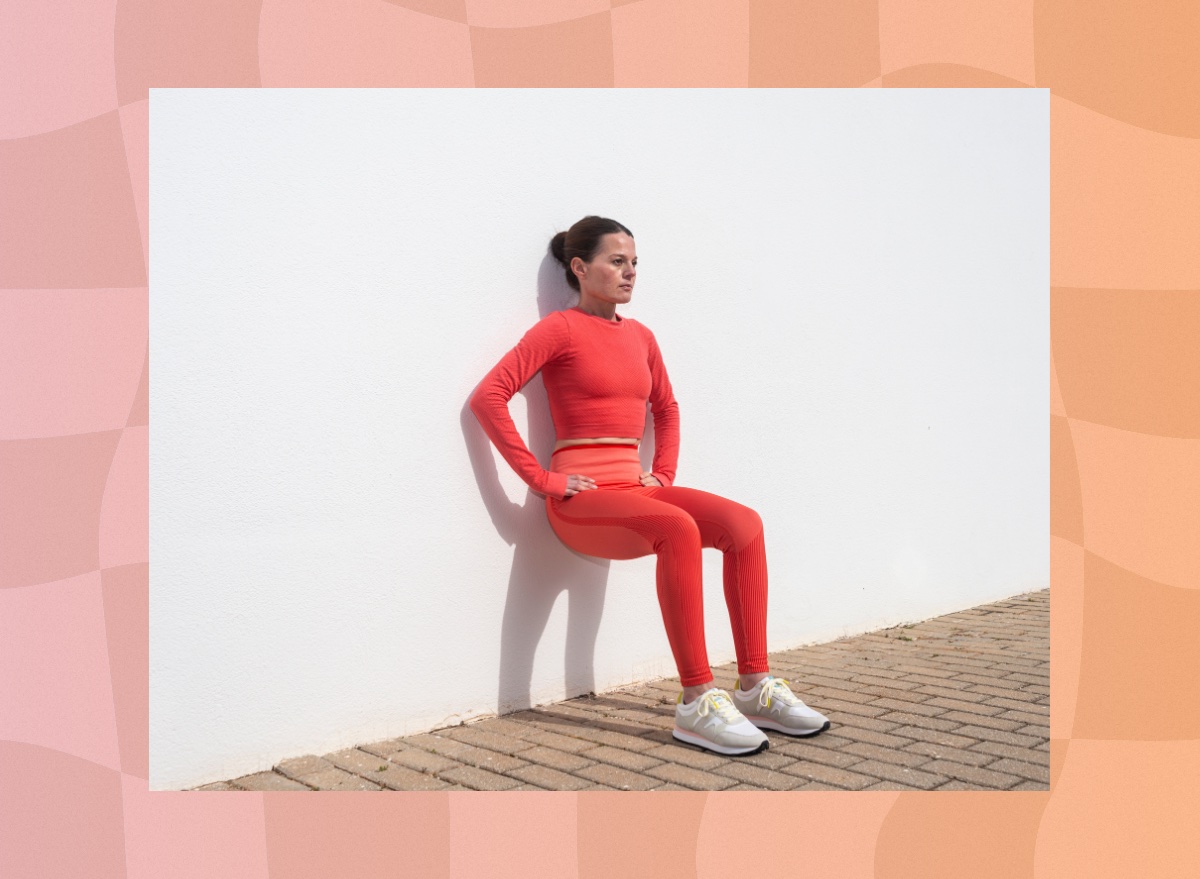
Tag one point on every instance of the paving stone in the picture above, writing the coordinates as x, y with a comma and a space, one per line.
559, 741
470, 754
924, 667
995, 681
695, 779
635, 697
554, 759
841, 778
615, 776
1040, 680
297, 767
355, 761
904, 719
840, 692
551, 779
771, 758
339, 779
997, 735
631, 760
396, 777
983, 720
218, 785
639, 719
976, 708
877, 691
506, 726
985, 778
872, 737
1027, 717
600, 736
925, 751
890, 785
1026, 755
1021, 702
876, 724
936, 737
956, 784
924, 778
884, 706
1018, 664
758, 776
927, 680
422, 761
961, 695
1031, 786
479, 779
384, 748
590, 722
261, 781
901, 757
672, 787
661, 737
830, 707
687, 756
485, 738
1029, 771
826, 749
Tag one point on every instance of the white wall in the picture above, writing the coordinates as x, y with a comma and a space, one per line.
850, 289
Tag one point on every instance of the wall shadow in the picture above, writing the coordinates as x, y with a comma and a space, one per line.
542, 566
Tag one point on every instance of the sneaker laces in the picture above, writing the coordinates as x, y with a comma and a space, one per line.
719, 701
777, 688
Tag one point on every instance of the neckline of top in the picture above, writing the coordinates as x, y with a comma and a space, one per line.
616, 323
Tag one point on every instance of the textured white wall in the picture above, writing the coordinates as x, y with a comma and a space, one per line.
850, 289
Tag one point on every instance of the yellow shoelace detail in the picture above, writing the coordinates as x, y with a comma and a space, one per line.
719, 701
777, 688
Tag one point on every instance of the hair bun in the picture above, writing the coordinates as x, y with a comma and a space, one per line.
557, 245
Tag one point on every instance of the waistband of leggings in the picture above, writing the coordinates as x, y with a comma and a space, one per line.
595, 446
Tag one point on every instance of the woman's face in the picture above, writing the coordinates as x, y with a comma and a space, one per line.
612, 271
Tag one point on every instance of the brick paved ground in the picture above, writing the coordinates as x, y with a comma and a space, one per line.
959, 702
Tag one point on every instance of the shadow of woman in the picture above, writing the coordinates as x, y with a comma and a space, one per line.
542, 566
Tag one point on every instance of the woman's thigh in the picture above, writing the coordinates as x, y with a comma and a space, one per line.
619, 524
724, 524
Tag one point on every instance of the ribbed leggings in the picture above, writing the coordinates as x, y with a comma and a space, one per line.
623, 519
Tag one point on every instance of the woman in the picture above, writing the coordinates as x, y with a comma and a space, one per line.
600, 371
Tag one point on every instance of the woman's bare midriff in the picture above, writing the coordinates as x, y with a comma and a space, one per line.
562, 444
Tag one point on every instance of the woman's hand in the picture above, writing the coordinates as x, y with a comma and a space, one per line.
650, 479
577, 483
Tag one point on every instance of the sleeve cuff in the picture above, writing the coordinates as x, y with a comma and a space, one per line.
555, 484
662, 477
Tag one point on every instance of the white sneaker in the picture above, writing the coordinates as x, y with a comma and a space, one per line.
770, 704
713, 722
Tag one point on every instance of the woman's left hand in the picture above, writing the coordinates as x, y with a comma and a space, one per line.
650, 479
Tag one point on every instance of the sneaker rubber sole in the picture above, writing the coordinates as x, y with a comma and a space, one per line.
764, 723
730, 751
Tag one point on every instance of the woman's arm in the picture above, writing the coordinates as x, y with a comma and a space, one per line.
666, 418
541, 344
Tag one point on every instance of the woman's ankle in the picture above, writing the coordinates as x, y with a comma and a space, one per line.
748, 682
692, 693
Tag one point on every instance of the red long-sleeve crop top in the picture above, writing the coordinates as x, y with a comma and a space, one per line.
599, 376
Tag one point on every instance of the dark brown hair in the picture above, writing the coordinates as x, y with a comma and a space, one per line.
582, 240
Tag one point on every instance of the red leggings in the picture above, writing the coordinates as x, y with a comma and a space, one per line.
623, 519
